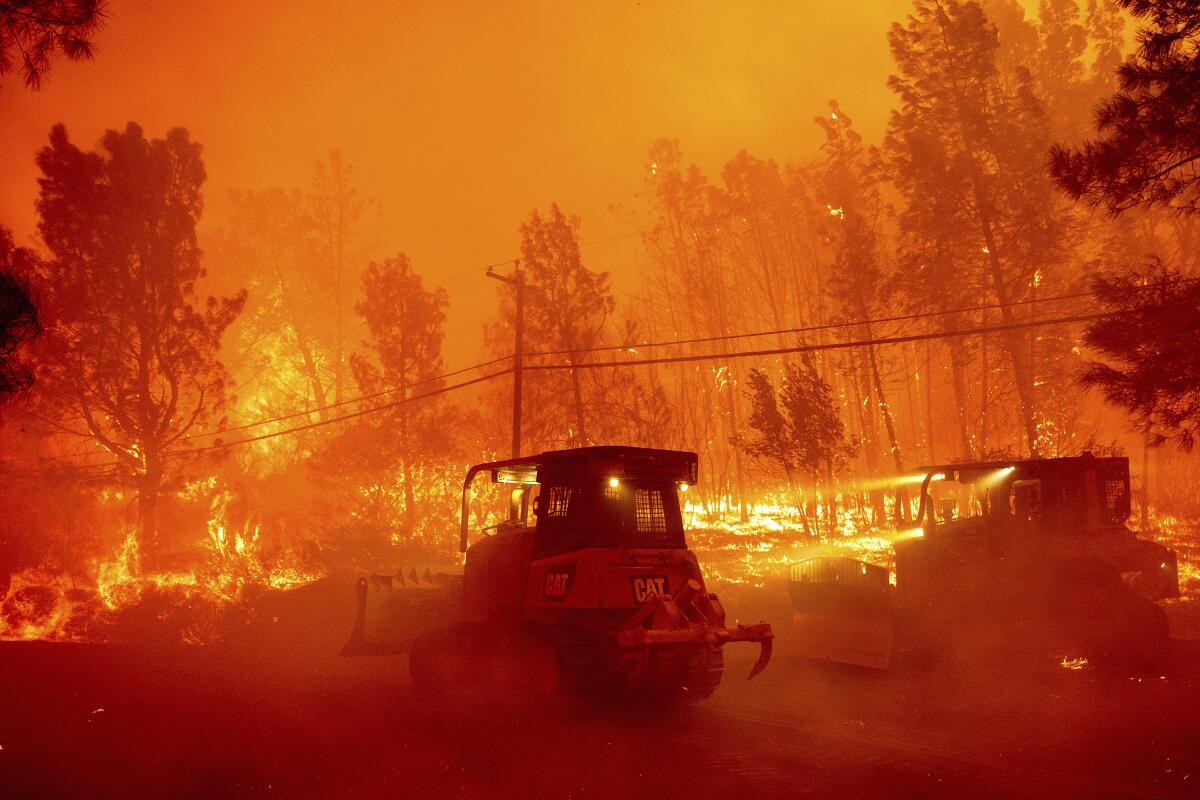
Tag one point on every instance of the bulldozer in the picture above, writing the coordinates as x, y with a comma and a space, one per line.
598, 592
1033, 553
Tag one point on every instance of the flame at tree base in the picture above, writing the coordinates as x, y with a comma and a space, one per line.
121, 603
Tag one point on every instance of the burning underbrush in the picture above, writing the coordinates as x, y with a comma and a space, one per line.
753, 552
1182, 536
198, 594
117, 601
234, 579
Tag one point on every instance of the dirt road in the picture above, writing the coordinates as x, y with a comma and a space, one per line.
105, 721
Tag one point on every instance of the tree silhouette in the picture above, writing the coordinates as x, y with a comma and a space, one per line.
406, 324
1149, 144
31, 32
566, 308
130, 358
18, 314
966, 148
337, 212
849, 182
1148, 335
798, 428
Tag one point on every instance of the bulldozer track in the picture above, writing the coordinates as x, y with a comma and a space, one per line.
874, 752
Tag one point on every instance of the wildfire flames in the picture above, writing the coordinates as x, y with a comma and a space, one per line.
117, 594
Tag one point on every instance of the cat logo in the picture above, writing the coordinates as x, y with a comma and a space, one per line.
648, 586
558, 582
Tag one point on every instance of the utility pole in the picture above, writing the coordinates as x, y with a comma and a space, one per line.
517, 282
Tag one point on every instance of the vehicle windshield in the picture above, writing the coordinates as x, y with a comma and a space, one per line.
608, 513
1018, 499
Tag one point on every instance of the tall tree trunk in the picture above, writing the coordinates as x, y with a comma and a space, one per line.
739, 476
885, 410
313, 375
1144, 517
410, 498
1012, 344
577, 390
984, 209
929, 401
959, 378
149, 485
910, 369
983, 390
852, 383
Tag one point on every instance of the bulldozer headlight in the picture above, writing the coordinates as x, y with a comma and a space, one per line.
683, 486
613, 483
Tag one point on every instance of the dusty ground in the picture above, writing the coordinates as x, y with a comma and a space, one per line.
280, 715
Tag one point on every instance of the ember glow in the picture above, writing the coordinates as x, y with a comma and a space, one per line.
553, 349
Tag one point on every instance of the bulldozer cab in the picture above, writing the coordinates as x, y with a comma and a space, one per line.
1075, 495
593, 497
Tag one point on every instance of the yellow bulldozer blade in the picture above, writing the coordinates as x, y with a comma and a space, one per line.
842, 612
392, 610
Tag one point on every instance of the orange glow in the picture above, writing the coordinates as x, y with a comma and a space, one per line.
531, 101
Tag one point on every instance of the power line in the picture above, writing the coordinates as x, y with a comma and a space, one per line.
346, 402
281, 417
837, 325
811, 328
385, 392
609, 348
810, 348
344, 417
878, 341
318, 424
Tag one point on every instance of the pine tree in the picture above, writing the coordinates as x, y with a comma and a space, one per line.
849, 182
567, 308
965, 151
797, 428
1149, 131
130, 357
1148, 336
18, 314
32, 31
406, 324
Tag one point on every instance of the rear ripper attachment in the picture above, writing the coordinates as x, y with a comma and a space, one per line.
597, 591
690, 617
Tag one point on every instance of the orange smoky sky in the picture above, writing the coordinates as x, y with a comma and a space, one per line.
462, 117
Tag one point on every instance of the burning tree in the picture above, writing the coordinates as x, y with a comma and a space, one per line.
407, 324
300, 253
130, 357
337, 212
1142, 166
707, 274
966, 148
849, 182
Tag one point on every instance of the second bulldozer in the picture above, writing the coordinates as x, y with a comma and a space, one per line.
1033, 555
